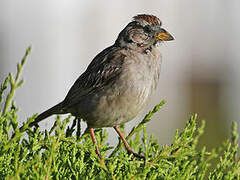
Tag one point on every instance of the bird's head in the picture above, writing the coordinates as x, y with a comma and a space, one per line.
144, 31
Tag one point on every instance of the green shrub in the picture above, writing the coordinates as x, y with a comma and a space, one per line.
62, 153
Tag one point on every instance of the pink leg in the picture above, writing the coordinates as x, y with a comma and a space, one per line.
130, 151
95, 142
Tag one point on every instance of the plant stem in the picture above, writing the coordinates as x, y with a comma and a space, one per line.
14, 82
146, 119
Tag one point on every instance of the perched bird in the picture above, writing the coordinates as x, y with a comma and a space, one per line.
119, 81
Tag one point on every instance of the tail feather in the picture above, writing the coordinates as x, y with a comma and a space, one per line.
57, 109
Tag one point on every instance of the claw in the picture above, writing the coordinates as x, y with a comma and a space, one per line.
130, 151
137, 155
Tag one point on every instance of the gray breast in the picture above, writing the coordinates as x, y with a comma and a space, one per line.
123, 100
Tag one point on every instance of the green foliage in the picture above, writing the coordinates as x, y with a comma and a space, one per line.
60, 154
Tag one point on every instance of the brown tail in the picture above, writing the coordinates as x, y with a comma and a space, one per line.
57, 109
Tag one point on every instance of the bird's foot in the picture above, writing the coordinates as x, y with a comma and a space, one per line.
136, 155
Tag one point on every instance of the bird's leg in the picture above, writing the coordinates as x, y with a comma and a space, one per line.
78, 128
130, 151
95, 142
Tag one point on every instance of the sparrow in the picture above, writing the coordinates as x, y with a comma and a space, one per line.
119, 81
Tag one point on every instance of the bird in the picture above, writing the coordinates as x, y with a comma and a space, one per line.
119, 81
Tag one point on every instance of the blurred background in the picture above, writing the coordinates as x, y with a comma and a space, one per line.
200, 71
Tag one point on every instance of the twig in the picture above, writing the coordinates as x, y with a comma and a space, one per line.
139, 127
15, 82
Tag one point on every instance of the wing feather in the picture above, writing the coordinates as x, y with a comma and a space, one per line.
104, 68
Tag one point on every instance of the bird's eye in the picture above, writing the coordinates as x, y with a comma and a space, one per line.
147, 29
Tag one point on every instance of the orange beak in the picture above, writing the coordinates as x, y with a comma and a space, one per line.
164, 35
